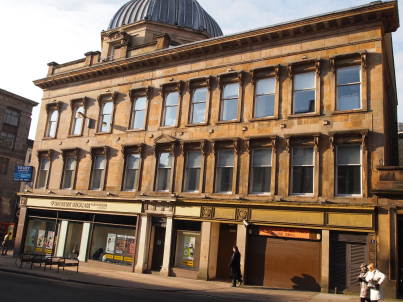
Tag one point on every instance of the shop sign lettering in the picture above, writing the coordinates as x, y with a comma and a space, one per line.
288, 233
79, 205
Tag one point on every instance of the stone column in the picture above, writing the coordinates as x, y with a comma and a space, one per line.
213, 255
19, 234
241, 242
143, 244
61, 241
85, 235
209, 250
166, 262
325, 261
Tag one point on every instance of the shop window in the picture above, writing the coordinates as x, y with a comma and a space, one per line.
348, 170
164, 167
302, 171
192, 171
4, 165
132, 172
348, 88
69, 173
139, 113
261, 171
265, 94
304, 93
78, 120
43, 172
224, 171
171, 109
73, 240
7, 140
199, 105
229, 102
11, 117
187, 250
40, 237
98, 172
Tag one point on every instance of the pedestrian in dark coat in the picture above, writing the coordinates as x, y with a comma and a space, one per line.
235, 266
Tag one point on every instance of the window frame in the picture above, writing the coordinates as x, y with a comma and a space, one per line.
171, 172
6, 162
134, 95
251, 166
131, 150
75, 105
168, 88
8, 135
44, 154
17, 112
99, 151
102, 100
231, 78
185, 168
70, 153
336, 171
195, 84
346, 85
50, 108
311, 166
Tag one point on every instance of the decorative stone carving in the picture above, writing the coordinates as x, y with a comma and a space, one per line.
157, 207
207, 212
242, 214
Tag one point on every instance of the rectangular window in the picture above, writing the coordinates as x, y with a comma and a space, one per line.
139, 113
106, 117
78, 120
224, 171
302, 170
348, 170
12, 117
52, 123
4, 165
265, 97
348, 88
69, 173
132, 172
44, 165
229, 102
98, 172
7, 140
261, 171
192, 172
165, 162
304, 93
198, 109
171, 106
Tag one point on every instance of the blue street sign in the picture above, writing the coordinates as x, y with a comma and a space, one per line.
23, 173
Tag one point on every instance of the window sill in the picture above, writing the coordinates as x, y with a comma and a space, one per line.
349, 196
73, 136
196, 125
302, 115
361, 110
48, 138
267, 118
136, 130
167, 127
103, 133
228, 122
268, 194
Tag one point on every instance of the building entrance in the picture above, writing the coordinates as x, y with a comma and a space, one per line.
158, 242
227, 240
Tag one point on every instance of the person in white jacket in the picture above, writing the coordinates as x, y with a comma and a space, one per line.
374, 280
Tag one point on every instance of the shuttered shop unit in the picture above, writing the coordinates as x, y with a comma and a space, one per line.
284, 263
348, 251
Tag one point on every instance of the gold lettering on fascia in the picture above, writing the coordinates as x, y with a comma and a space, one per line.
79, 205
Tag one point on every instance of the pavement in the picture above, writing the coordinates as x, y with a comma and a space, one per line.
115, 276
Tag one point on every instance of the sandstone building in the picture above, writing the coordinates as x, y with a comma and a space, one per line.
15, 120
174, 143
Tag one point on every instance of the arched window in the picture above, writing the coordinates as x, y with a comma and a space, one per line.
52, 123
78, 120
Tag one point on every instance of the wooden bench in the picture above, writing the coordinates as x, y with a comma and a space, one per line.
68, 262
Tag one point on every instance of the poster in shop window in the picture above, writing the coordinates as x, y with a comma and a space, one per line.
130, 245
189, 243
41, 239
49, 240
110, 243
31, 237
120, 244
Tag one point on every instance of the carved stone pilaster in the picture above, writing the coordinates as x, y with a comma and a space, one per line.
207, 212
242, 214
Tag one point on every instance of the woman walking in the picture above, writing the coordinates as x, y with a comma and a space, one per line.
235, 266
364, 290
374, 280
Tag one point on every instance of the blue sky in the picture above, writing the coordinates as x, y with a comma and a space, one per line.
37, 32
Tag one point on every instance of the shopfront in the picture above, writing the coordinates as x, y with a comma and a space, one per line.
284, 258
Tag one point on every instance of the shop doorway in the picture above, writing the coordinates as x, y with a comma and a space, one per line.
158, 248
73, 240
227, 240
400, 253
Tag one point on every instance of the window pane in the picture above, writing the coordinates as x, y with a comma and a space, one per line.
264, 106
304, 101
265, 86
106, 123
349, 155
163, 179
70, 164
78, 121
225, 158
304, 81
52, 129
107, 108
193, 159
11, 117
172, 98
138, 120
231, 91
260, 181
130, 179
347, 75
199, 95
229, 110
96, 179
54, 115
224, 180
261, 157
99, 162
170, 116
198, 113
44, 165
349, 180
192, 179
165, 160
68, 179
302, 156
133, 161
349, 97
140, 103
302, 180
42, 178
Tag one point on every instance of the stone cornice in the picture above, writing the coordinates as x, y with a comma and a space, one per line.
385, 12
17, 97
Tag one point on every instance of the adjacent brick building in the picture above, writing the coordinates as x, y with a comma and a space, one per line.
175, 143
